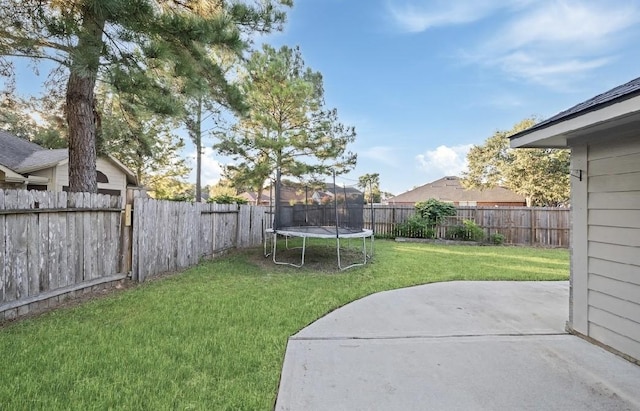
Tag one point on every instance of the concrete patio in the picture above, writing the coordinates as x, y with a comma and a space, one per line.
454, 346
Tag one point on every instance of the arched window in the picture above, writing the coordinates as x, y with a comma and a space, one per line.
101, 177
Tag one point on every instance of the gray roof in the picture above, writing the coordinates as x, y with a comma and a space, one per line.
14, 150
450, 189
615, 95
42, 159
23, 156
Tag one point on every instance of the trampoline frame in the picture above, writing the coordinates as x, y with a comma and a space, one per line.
308, 232
304, 232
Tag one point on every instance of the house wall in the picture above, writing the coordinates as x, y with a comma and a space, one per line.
50, 174
117, 179
605, 297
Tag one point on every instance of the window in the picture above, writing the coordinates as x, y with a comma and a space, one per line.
101, 177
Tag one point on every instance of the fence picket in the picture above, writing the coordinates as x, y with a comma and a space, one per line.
546, 226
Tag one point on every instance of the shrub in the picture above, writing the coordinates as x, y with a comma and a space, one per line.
227, 199
497, 239
468, 231
434, 211
415, 227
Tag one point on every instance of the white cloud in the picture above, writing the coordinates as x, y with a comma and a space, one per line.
548, 42
554, 42
417, 16
211, 168
444, 161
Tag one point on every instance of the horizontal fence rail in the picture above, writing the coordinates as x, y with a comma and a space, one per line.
57, 244
51, 243
539, 226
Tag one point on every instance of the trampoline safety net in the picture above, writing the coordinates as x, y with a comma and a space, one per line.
318, 205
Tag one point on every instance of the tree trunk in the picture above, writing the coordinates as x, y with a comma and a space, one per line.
198, 141
81, 115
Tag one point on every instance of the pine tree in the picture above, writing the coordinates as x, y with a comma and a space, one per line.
287, 127
126, 43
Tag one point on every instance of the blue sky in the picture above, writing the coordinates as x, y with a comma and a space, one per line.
423, 80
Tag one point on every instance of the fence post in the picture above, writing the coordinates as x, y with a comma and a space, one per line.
532, 216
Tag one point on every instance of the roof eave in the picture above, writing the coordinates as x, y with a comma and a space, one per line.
11, 176
623, 114
131, 177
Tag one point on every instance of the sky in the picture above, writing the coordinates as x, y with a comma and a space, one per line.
422, 81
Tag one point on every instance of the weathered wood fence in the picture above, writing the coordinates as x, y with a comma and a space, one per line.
173, 235
59, 245
539, 226
55, 244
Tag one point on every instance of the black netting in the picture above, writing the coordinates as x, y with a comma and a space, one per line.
319, 205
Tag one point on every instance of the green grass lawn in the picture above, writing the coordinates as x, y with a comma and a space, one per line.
213, 337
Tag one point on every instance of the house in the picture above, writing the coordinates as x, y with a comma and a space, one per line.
297, 193
25, 165
252, 197
603, 134
450, 190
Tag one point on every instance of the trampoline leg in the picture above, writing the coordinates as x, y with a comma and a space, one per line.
338, 252
275, 244
304, 250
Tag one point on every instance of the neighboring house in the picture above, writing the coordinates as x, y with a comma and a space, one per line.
252, 197
25, 165
604, 136
450, 190
299, 194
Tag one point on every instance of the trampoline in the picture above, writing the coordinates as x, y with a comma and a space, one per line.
324, 211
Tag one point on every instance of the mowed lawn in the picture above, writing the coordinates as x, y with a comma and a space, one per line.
214, 336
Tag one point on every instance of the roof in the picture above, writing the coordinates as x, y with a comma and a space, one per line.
296, 192
450, 189
22, 156
15, 150
616, 95
42, 159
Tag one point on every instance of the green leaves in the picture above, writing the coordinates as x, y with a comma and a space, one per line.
287, 125
152, 50
539, 175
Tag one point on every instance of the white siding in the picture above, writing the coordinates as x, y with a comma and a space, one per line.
613, 238
47, 173
117, 178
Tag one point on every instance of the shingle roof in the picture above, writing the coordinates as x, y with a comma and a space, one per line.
450, 189
14, 150
23, 156
42, 159
615, 95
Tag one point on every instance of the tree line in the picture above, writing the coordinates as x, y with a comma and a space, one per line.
128, 74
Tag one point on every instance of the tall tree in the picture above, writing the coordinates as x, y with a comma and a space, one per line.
207, 103
370, 184
539, 175
287, 127
125, 41
144, 142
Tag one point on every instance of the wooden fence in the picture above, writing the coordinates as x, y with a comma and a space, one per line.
173, 235
53, 244
56, 245
539, 226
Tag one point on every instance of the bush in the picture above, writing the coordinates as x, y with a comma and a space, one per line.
497, 239
227, 199
415, 227
468, 231
434, 211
